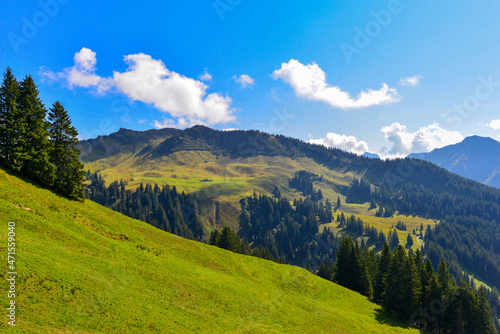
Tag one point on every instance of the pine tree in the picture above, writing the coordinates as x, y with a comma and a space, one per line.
37, 144
382, 270
485, 320
395, 285
12, 123
65, 154
409, 241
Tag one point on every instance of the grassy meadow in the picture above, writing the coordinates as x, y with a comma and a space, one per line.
86, 269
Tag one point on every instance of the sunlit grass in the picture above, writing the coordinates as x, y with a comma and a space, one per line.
86, 269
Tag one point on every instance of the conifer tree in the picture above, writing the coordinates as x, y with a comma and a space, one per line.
37, 144
409, 241
382, 270
12, 123
65, 154
485, 320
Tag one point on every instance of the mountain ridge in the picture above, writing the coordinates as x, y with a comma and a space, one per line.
476, 158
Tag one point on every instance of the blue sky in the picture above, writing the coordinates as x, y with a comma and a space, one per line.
390, 77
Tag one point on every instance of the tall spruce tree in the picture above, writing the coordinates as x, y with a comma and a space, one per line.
65, 154
382, 271
37, 147
12, 123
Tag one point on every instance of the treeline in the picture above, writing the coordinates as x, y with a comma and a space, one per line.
303, 181
468, 235
164, 207
359, 192
409, 288
229, 240
43, 150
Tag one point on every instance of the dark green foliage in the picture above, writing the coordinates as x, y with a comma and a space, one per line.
65, 154
303, 181
373, 205
379, 285
409, 241
276, 192
37, 165
164, 208
359, 192
393, 238
401, 226
13, 125
402, 285
226, 239
353, 268
287, 232
44, 152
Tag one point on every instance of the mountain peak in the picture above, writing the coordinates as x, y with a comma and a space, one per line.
479, 139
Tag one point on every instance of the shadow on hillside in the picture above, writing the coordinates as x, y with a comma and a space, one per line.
25, 179
385, 318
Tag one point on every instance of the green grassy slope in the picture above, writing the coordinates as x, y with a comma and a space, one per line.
86, 269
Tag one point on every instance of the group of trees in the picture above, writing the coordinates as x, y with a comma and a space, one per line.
44, 150
304, 182
468, 233
228, 239
290, 232
164, 207
408, 287
359, 192
356, 225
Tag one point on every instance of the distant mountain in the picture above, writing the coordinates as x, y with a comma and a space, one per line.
371, 155
123, 140
477, 158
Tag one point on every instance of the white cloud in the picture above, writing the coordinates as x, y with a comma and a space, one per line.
346, 143
309, 82
207, 77
49, 76
425, 139
170, 123
410, 81
494, 124
141, 121
244, 80
148, 80
81, 74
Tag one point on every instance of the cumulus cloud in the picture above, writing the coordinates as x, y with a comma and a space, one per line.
170, 123
346, 143
410, 81
425, 139
81, 74
494, 124
309, 82
148, 80
244, 80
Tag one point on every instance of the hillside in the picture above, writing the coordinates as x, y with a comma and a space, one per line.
477, 158
86, 269
220, 168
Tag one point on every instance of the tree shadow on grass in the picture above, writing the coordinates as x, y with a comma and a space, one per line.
386, 318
